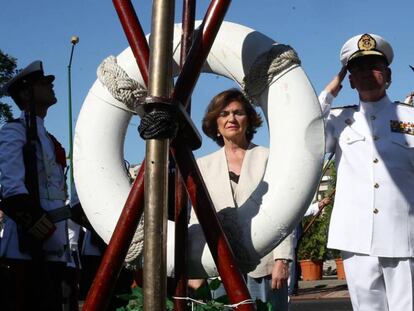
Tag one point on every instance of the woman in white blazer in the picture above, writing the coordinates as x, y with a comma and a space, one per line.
232, 173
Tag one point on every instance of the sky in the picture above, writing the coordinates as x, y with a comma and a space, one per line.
316, 29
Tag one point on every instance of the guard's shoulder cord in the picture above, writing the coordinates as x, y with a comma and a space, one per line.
60, 152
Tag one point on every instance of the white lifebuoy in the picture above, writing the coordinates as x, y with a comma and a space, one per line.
296, 132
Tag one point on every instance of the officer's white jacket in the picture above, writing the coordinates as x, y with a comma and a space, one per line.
374, 203
52, 186
215, 173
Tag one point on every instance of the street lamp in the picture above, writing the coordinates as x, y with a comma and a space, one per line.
74, 40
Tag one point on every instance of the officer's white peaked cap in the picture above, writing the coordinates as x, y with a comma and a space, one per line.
33, 70
365, 45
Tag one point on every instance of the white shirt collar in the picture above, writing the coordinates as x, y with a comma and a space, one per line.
374, 107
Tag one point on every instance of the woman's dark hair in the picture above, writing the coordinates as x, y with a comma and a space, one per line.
218, 103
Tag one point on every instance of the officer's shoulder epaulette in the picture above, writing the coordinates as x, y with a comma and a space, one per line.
346, 107
404, 104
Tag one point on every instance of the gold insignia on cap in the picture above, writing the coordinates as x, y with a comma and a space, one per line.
366, 43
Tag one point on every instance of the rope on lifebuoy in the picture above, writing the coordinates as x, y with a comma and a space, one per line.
129, 92
266, 66
136, 248
119, 84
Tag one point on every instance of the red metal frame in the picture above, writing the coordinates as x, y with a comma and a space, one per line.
135, 35
114, 256
181, 196
181, 237
216, 239
200, 49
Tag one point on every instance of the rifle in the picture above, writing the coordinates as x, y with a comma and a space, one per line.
31, 236
29, 154
28, 243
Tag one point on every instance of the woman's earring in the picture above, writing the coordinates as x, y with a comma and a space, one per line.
218, 134
387, 84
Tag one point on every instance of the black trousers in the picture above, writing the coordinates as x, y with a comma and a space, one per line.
28, 285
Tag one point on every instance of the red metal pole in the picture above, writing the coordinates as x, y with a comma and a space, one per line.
181, 196
190, 72
134, 34
223, 256
114, 257
188, 28
181, 237
221, 251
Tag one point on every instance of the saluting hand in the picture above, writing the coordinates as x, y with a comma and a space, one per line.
335, 85
325, 201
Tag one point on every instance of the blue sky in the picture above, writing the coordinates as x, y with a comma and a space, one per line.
317, 29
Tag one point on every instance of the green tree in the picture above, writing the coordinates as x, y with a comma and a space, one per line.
313, 244
7, 70
332, 253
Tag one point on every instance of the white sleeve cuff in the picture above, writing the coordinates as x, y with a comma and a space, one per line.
312, 210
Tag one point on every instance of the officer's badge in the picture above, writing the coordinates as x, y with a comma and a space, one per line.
402, 127
367, 43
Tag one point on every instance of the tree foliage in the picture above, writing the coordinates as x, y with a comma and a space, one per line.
313, 244
7, 70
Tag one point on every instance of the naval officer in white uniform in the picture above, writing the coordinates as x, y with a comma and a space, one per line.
373, 216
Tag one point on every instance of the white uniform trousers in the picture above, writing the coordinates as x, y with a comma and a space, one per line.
379, 283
